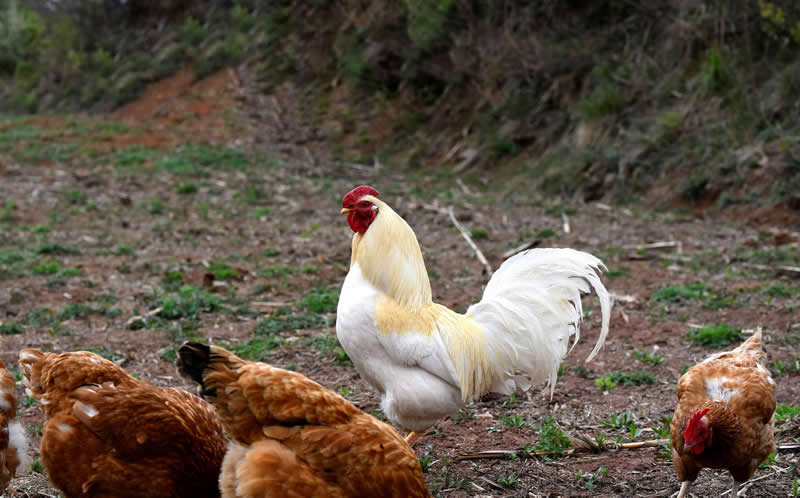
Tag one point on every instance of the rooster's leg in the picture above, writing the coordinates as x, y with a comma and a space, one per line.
412, 436
684, 489
735, 490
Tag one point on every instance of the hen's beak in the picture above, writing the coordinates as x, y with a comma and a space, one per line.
345, 210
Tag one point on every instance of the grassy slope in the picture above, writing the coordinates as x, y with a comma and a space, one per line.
611, 101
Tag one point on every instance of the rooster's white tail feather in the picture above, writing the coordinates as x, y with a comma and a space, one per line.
531, 307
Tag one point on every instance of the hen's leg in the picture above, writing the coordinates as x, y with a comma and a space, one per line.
412, 436
684, 489
735, 490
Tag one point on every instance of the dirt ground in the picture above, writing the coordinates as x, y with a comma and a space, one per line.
204, 184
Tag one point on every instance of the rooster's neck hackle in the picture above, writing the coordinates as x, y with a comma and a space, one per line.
389, 256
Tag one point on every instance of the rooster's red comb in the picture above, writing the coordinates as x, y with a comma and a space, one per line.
357, 193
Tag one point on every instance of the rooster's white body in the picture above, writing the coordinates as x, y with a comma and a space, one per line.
428, 361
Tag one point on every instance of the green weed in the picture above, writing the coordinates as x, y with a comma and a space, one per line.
320, 301
55, 249
261, 212
514, 421
189, 303
479, 233
785, 412
124, 250
589, 479
508, 481
714, 336
552, 438
40, 317
187, 188
648, 357
11, 328
678, 293
257, 348
279, 271
222, 271
277, 323
636, 378
328, 345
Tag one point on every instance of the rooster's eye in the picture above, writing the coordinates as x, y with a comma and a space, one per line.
365, 204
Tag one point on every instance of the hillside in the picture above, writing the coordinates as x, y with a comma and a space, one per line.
690, 104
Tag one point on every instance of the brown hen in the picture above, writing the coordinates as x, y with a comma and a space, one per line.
13, 445
107, 434
293, 437
724, 418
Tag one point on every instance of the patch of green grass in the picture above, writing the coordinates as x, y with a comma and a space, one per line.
320, 301
276, 323
124, 250
154, 207
196, 160
479, 233
605, 383
546, 233
778, 290
188, 303
50, 268
508, 481
257, 348
426, 459
328, 345
715, 336
780, 368
514, 421
55, 249
222, 271
133, 157
618, 421
261, 212
169, 354
605, 100
618, 272
74, 310
40, 317
678, 293
280, 271
648, 357
552, 438
187, 188
785, 412
37, 467
11, 328
10, 256
636, 378
589, 479
7, 212
76, 197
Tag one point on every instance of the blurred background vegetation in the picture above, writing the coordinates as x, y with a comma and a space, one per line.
680, 100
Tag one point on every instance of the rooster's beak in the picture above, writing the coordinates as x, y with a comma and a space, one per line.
345, 210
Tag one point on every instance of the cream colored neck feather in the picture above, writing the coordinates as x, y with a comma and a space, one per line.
390, 258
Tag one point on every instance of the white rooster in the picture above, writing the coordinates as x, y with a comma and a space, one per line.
428, 361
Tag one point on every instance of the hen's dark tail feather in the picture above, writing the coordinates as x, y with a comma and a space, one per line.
193, 359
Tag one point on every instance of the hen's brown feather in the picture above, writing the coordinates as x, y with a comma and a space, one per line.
298, 438
742, 424
109, 434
